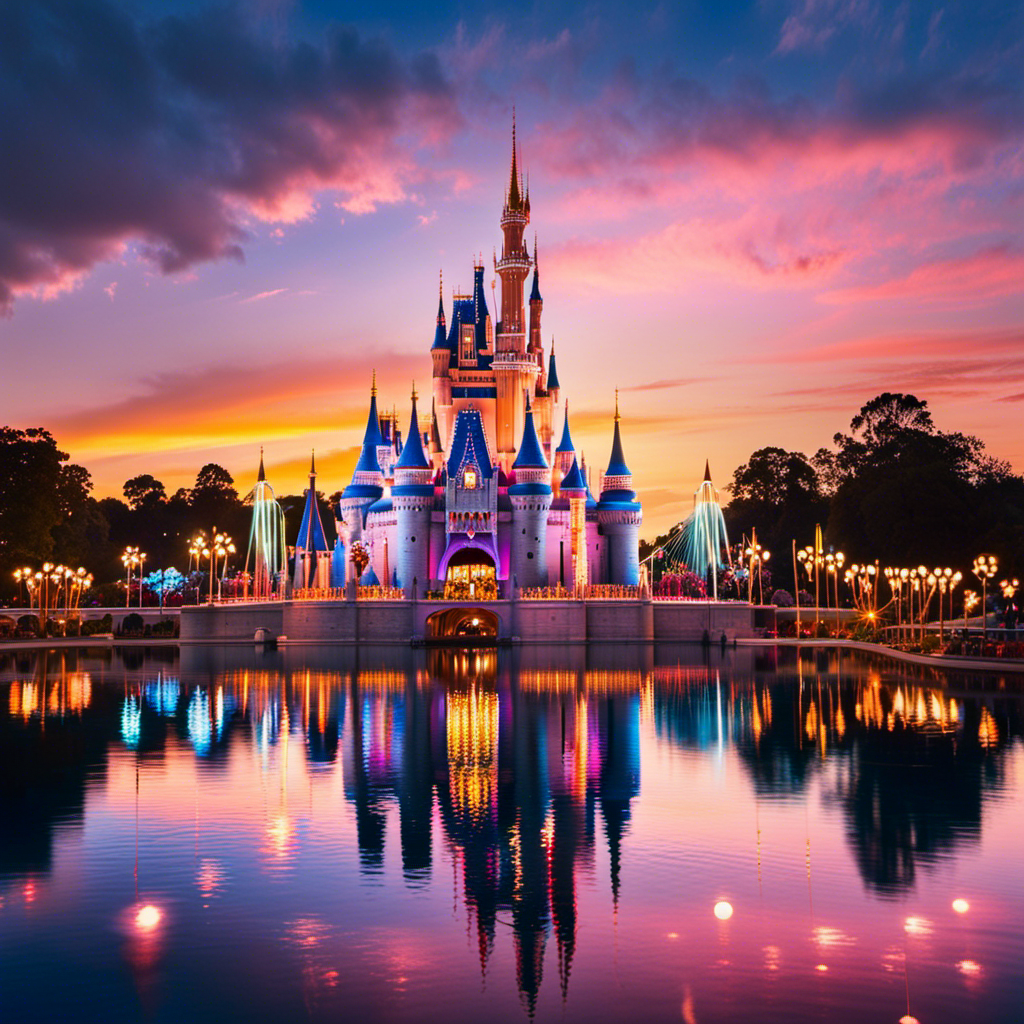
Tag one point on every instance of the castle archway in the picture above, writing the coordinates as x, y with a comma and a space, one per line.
471, 575
470, 623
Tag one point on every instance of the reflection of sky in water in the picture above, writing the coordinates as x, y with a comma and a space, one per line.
395, 835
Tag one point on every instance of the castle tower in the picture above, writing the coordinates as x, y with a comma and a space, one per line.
435, 448
620, 515
367, 485
412, 498
565, 454
312, 555
515, 372
531, 499
574, 487
536, 308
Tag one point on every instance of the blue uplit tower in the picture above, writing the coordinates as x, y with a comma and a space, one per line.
312, 555
620, 515
412, 499
531, 499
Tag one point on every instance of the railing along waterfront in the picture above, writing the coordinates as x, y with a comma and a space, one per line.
611, 592
555, 593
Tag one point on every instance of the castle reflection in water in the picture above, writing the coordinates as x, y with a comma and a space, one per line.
527, 760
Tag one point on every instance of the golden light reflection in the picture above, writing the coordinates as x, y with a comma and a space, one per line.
969, 968
472, 742
919, 927
988, 731
960, 905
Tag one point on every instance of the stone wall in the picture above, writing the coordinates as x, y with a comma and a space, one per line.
688, 620
399, 622
550, 621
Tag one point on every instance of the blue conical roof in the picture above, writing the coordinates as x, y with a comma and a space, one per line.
440, 332
552, 372
573, 485
311, 530
531, 455
565, 445
412, 456
535, 293
617, 463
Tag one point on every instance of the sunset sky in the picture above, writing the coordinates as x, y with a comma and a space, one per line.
751, 218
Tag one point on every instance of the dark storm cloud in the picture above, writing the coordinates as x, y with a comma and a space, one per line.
172, 133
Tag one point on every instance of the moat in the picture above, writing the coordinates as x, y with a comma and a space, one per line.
656, 833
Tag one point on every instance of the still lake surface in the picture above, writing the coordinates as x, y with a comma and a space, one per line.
602, 834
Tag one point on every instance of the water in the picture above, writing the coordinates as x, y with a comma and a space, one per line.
337, 834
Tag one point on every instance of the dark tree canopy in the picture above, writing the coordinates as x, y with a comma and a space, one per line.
144, 491
40, 490
895, 488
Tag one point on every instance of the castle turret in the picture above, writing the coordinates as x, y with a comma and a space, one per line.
412, 498
515, 372
531, 499
565, 453
367, 485
312, 555
536, 308
574, 488
554, 388
620, 515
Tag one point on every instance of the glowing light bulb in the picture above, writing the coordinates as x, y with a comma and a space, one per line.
148, 917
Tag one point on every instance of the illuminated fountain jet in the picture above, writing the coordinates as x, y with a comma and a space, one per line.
266, 557
705, 543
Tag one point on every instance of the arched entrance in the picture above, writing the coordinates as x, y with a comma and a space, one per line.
471, 576
468, 623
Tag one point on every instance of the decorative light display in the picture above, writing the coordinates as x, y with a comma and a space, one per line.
704, 536
266, 558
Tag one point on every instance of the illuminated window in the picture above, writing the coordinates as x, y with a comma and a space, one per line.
469, 479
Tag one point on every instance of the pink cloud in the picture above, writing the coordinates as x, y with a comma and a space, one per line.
988, 274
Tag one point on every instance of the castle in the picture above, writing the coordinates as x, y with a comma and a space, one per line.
478, 500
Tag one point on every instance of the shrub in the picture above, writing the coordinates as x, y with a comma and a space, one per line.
8, 627
930, 644
133, 625
782, 599
166, 627
28, 625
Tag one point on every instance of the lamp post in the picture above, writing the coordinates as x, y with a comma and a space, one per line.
1009, 588
142, 561
220, 547
970, 600
195, 551
985, 567
130, 559
756, 556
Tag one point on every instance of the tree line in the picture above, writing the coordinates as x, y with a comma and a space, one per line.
48, 513
893, 488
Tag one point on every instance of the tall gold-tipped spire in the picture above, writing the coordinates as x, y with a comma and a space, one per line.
515, 199
373, 386
616, 392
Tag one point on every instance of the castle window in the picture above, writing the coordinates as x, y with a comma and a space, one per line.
469, 479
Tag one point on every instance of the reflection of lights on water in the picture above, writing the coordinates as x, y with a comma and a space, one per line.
917, 926
969, 968
198, 718
29, 892
821, 968
960, 905
672, 935
826, 938
907, 1019
772, 958
281, 833
148, 917
209, 877
131, 721
723, 910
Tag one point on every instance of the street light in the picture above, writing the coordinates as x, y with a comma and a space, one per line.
985, 567
142, 559
756, 557
220, 547
970, 600
947, 581
130, 559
